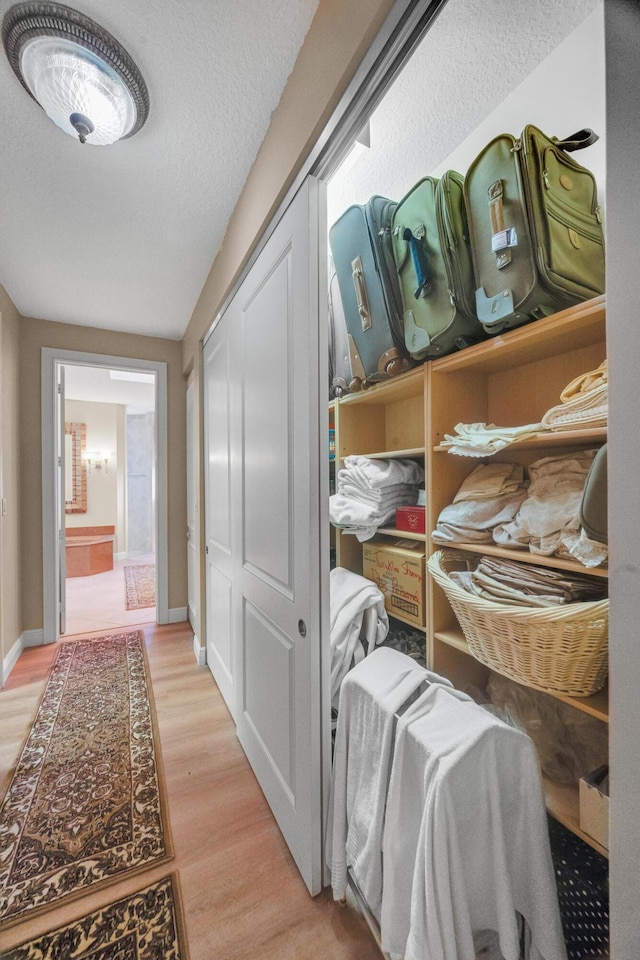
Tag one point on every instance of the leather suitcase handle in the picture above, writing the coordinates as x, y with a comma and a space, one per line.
357, 275
578, 141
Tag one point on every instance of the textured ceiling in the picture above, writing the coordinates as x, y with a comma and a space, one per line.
122, 237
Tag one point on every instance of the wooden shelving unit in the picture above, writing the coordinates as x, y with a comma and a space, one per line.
509, 380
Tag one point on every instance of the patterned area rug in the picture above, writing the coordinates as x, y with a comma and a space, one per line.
140, 586
85, 805
144, 926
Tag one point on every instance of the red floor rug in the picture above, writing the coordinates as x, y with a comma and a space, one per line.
85, 805
140, 586
146, 925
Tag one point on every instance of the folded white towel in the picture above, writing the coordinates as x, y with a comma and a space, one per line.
474, 520
377, 473
485, 439
583, 402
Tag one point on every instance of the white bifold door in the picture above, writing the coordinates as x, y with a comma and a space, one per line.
265, 576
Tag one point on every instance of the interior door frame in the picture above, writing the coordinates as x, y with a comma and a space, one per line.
50, 360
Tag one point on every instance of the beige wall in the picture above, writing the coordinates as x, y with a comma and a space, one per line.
10, 480
340, 35
36, 334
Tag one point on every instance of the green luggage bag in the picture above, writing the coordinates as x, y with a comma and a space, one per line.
535, 225
433, 260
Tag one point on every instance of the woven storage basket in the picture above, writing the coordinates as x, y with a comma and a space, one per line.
561, 648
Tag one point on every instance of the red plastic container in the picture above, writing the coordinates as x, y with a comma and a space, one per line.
410, 519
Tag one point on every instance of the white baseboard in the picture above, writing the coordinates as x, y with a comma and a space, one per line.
10, 661
177, 615
121, 556
32, 638
200, 652
28, 638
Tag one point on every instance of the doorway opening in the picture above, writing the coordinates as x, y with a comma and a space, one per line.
109, 472
104, 439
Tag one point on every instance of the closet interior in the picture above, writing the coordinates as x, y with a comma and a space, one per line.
519, 75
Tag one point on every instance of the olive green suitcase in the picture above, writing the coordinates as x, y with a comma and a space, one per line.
433, 260
535, 225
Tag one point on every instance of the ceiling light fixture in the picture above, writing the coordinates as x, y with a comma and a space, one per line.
83, 79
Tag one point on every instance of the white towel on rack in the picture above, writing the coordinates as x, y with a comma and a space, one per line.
370, 695
466, 844
356, 611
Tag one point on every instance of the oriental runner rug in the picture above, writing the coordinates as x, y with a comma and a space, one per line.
85, 805
146, 925
140, 586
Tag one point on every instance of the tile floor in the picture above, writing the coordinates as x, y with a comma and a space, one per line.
97, 602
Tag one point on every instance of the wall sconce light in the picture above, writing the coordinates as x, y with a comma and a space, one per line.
96, 461
84, 80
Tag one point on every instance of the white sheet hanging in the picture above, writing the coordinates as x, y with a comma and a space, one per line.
466, 843
370, 695
357, 612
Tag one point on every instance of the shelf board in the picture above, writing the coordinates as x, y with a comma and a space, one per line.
409, 384
563, 803
525, 556
579, 325
549, 438
394, 532
597, 705
409, 454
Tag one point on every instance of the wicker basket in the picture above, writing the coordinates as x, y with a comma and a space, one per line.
561, 648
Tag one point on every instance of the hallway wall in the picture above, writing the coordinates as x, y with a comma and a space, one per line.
36, 334
10, 477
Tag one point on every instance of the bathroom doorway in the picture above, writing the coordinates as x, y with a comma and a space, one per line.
104, 492
109, 497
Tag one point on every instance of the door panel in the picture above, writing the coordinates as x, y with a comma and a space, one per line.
217, 377
61, 572
279, 716
192, 511
269, 678
263, 482
267, 427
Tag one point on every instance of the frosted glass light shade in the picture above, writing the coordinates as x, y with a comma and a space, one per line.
81, 76
67, 79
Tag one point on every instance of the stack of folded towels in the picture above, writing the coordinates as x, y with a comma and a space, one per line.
368, 492
583, 403
507, 581
492, 494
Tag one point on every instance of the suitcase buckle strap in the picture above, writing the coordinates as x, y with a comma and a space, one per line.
502, 237
418, 259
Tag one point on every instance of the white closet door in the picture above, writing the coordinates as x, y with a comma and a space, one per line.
279, 720
219, 555
192, 511
61, 557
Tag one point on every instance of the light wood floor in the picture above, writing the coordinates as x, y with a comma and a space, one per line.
242, 895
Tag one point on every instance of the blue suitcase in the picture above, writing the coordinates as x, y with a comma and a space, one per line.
360, 242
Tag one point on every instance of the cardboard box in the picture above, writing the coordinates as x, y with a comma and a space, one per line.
397, 568
594, 805
410, 519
